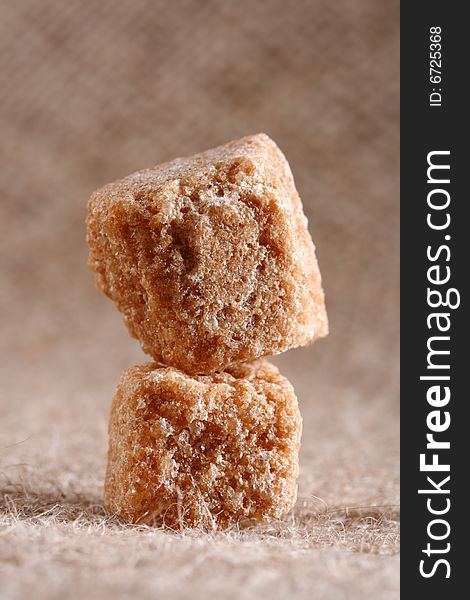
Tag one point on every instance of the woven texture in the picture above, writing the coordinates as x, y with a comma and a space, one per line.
92, 90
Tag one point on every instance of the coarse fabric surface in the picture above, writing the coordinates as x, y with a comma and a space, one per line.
94, 90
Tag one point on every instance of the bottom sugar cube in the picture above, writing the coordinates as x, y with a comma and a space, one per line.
203, 451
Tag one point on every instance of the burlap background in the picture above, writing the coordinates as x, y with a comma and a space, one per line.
91, 90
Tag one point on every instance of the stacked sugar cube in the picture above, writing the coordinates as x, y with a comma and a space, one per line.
210, 261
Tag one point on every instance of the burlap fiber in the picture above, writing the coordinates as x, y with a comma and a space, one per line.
92, 90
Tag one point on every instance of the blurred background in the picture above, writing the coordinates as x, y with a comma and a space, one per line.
91, 91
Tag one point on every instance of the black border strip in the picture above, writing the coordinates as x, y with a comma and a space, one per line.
424, 129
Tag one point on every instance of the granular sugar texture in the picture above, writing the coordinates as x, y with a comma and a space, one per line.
209, 257
204, 451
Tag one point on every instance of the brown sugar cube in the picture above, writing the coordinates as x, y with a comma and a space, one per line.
209, 257
207, 451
